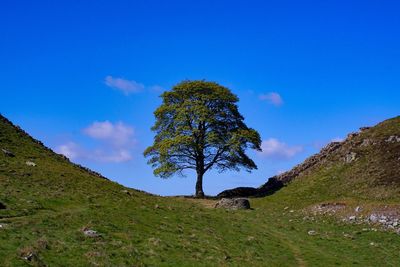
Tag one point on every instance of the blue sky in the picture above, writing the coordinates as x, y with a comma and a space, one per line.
84, 76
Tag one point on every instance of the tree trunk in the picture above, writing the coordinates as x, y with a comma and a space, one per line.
199, 185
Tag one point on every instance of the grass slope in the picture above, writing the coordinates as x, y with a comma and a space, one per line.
374, 176
48, 205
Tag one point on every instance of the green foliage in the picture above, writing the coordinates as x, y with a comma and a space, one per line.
198, 126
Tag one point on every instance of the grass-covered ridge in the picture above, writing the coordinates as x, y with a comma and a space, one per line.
48, 206
373, 175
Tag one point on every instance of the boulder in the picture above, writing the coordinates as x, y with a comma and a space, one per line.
30, 163
90, 233
233, 203
312, 232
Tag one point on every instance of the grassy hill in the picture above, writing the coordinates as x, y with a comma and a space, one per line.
364, 166
47, 207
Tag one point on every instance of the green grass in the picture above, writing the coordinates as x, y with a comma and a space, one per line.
49, 205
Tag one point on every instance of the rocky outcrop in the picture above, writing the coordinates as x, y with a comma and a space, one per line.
233, 203
347, 151
393, 139
30, 163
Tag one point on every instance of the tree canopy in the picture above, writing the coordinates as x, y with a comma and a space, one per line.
198, 126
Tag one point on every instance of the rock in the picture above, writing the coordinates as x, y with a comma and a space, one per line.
352, 218
90, 233
348, 236
350, 157
358, 209
393, 139
373, 218
29, 256
30, 163
233, 203
366, 142
7, 153
312, 232
395, 224
2, 206
227, 257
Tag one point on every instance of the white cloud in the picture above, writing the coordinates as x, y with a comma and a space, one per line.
123, 85
130, 86
273, 148
120, 155
118, 134
74, 152
70, 150
273, 98
115, 143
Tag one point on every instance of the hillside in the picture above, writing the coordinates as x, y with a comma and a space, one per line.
366, 165
55, 213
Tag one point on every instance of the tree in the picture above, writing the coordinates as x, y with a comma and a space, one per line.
198, 126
